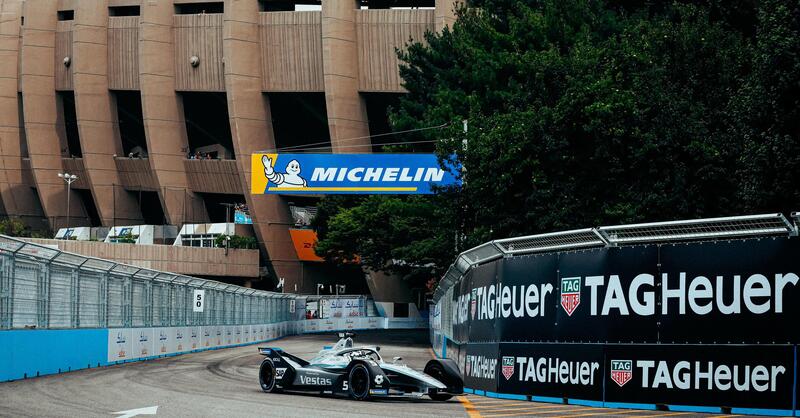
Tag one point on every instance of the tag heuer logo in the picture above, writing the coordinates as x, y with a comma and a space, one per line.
570, 294
474, 302
508, 367
621, 371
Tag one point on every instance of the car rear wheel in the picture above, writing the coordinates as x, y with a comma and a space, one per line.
266, 376
359, 382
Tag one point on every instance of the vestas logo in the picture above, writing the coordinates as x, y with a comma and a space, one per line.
315, 380
348, 173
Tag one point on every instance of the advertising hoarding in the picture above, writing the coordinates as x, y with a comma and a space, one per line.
349, 174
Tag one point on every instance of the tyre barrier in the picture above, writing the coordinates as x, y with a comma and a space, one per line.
700, 327
35, 352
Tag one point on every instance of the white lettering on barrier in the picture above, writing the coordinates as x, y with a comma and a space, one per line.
480, 367
553, 370
702, 375
495, 301
757, 294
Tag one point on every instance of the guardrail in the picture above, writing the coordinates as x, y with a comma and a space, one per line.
668, 315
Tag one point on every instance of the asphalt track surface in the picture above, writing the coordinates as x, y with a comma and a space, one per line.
224, 383
217, 383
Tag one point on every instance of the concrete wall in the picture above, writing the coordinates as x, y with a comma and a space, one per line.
29, 353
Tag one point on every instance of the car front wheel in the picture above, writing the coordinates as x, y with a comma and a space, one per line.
437, 372
359, 382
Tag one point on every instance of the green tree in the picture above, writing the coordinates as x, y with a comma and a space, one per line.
767, 110
584, 113
14, 228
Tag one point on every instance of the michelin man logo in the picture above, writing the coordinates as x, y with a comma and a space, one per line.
290, 178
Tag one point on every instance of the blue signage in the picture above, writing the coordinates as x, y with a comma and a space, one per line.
348, 174
240, 217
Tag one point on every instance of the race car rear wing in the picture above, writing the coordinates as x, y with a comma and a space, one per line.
274, 351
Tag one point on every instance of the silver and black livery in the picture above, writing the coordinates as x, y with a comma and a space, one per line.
357, 372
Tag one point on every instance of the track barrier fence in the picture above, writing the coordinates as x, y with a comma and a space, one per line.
61, 311
693, 316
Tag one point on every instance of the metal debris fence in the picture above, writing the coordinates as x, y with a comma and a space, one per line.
42, 287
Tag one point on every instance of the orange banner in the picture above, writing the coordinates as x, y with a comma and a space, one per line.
304, 240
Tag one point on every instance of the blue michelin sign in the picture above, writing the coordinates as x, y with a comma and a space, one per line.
348, 174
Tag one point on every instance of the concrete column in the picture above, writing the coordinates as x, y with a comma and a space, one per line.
41, 114
251, 130
17, 197
347, 112
96, 117
445, 13
162, 111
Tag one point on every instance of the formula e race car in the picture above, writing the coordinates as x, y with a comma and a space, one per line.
358, 372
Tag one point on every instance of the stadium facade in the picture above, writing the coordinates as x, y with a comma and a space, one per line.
156, 105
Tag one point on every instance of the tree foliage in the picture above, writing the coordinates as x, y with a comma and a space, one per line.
585, 112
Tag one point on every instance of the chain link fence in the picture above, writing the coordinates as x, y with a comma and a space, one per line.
42, 287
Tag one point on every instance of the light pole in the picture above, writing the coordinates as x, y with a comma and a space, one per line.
69, 179
228, 207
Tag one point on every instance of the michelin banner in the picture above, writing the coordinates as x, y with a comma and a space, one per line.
349, 174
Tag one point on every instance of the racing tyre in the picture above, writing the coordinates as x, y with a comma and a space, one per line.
266, 376
359, 382
440, 397
436, 371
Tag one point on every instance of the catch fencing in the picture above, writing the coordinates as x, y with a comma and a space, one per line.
693, 315
42, 287
61, 311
